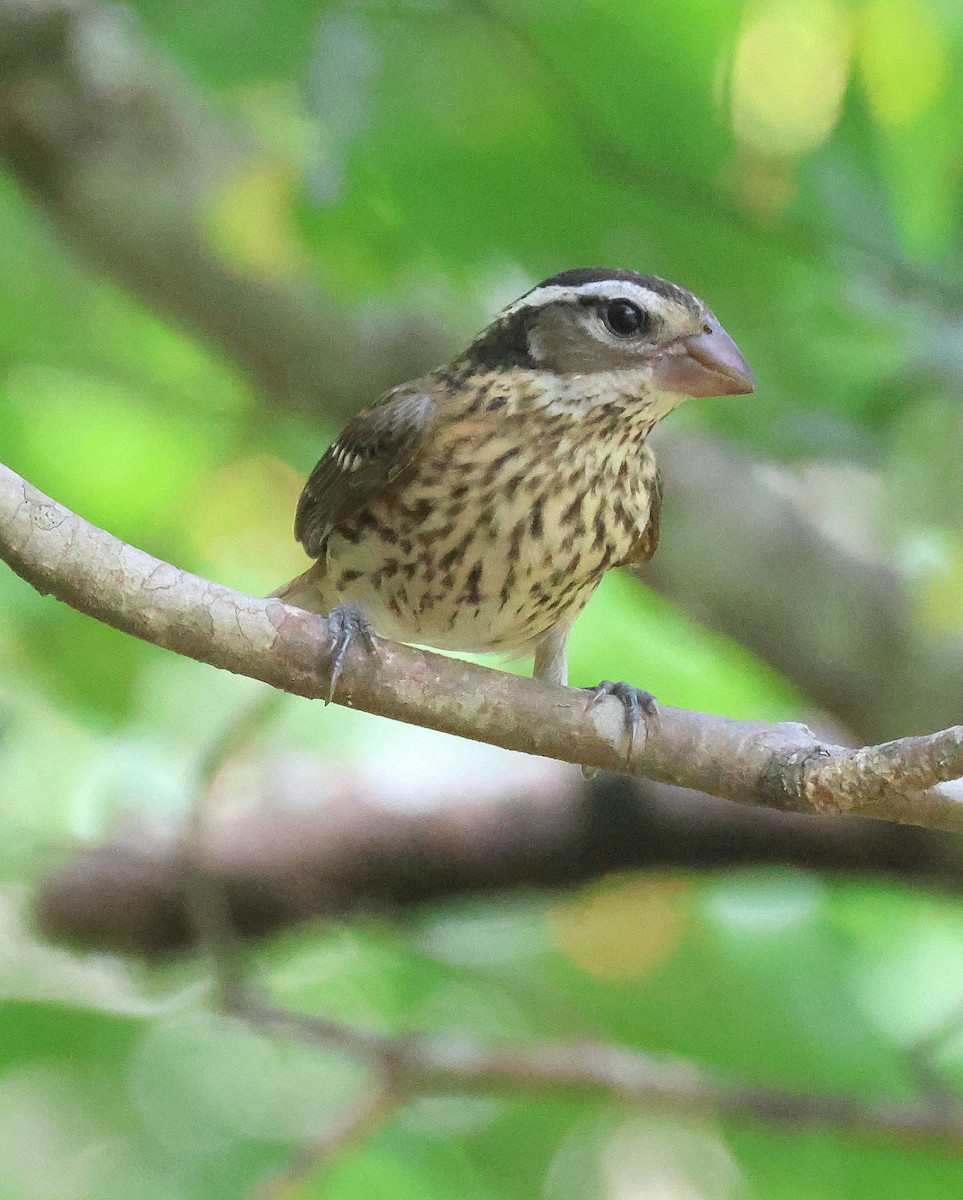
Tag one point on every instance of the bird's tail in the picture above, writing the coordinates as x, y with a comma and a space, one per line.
308, 591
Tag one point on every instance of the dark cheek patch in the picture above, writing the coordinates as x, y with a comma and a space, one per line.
569, 346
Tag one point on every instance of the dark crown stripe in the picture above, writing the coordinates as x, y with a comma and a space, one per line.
654, 283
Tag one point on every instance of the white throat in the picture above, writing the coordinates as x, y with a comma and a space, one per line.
580, 395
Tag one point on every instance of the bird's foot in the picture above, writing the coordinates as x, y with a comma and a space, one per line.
639, 706
347, 624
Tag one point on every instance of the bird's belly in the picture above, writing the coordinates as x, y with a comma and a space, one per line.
452, 620
496, 582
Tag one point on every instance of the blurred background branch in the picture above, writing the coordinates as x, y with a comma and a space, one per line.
127, 158
316, 847
842, 626
615, 1074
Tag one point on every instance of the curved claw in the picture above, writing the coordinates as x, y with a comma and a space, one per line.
347, 623
638, 705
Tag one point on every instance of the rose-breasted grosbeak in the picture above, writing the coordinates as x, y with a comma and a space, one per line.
478, 507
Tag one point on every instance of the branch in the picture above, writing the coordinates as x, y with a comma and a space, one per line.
322, 847
133, 163
782, 766
863, 659
354, 1125
455, 1066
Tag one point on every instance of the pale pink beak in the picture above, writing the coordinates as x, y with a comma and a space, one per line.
705, 364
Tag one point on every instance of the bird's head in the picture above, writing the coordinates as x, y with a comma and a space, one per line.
654, 338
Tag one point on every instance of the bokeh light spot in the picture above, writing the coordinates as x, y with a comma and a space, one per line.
241, 522
902, 59
250, 221
623, 931
940, 589
789, 76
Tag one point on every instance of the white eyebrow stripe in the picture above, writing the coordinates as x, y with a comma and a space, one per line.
603, 289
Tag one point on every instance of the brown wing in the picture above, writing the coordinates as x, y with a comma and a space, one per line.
372, 450
648, 541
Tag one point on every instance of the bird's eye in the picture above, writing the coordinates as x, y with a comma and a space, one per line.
624, 318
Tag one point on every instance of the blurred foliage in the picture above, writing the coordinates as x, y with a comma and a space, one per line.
797, 162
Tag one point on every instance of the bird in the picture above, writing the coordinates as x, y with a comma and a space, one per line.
477, 508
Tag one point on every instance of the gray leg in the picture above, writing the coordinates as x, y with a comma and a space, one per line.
551, 658
348, 624
638, 704
551, 666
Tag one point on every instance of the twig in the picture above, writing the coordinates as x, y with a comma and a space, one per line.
455, 1066
355, 1124
782, 766
910, 764
207, 905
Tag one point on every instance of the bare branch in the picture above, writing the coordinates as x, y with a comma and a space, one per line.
206, 902
455, 1066
206, 915
782, 766
322, 845
844, 628
875, 773
354, 1125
